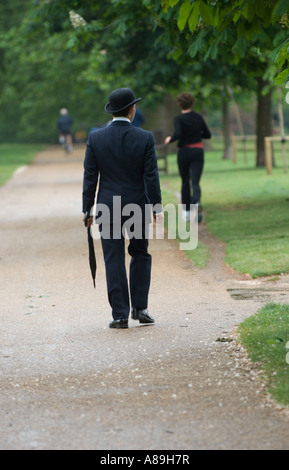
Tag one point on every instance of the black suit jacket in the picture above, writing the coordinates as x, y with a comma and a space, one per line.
123, 159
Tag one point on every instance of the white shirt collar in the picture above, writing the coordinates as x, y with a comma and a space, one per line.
121, 119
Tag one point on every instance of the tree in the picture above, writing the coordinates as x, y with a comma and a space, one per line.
133, 45
249, 16
39, 75
90, 45
10, 20
121, 39
71, 54
253, 29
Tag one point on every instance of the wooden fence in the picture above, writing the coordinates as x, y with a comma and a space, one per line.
269, 141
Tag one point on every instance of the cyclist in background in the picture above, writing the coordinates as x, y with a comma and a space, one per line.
64, 124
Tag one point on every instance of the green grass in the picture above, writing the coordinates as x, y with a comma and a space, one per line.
250, 212
13, 156
246, 209
266, 339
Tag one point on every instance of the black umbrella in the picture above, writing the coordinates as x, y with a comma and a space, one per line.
92, 258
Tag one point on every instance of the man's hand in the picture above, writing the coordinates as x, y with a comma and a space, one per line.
89, 221
159, 218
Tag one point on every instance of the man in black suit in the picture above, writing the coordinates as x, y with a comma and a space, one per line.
123, 159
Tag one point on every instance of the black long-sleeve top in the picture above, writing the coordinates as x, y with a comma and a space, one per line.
190, 128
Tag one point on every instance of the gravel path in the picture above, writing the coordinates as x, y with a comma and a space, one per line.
68, 382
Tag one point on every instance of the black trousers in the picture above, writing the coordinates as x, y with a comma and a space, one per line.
191, 165
120, 293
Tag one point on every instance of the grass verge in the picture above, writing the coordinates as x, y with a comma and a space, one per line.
245, 208
13, 156
266, 339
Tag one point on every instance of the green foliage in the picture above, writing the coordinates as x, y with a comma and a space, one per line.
39, 75
71, 53
222, 13
281, 7
236, 22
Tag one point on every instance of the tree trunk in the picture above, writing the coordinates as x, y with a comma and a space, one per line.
228, 150
264, 120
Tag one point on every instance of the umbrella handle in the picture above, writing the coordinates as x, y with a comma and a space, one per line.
87, 216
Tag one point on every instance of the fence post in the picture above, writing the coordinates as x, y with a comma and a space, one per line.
269, 156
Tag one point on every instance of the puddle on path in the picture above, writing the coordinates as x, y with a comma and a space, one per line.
254, 294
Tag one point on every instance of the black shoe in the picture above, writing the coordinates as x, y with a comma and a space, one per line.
119, 324
141, 315
134, 314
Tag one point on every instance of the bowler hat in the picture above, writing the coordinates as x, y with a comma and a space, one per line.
121, 99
